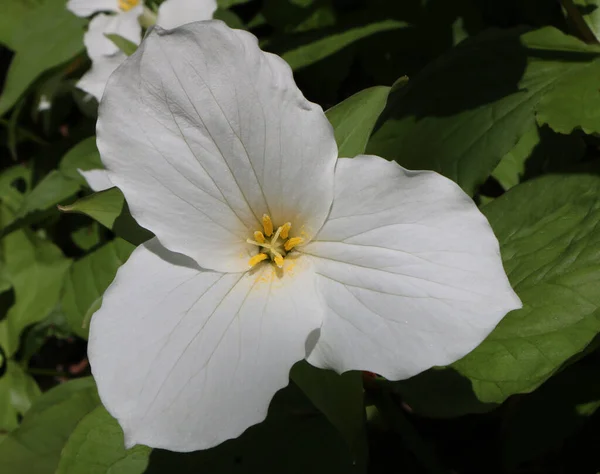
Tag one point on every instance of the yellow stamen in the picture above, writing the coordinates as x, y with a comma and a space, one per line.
279, 261
257, 259
127, 5
290, 244
259, 237
285, 230
267, 225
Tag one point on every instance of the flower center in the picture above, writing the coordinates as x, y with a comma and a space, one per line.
127, 5
273, 245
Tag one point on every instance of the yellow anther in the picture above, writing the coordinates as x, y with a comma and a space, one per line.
127, 5
290, 244
259, 237
257, 259
279, 261
285, 230
267, 225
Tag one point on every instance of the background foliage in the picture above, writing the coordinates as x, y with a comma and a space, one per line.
503, 97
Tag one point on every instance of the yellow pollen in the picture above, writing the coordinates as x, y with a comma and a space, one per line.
290, 244
267, 225
279, 261
259, 237
127, 5
285, 230
257, 259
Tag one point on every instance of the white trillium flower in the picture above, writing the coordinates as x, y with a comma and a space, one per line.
123, 20
106, 56
268, 249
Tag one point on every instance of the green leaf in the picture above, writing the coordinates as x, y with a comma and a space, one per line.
35, 447
308, 48
57, 186
511, 168
468, 109
87, 280
83, 156
87, 237
97, 446
18, 390
13, 14
338, 397
10, 195
574, 103
230, 3
550, 253
110, 209
126, 46
354, 118
539, 151
230, 19
294, 439
51, 190
541, 421
35, 53
36, 269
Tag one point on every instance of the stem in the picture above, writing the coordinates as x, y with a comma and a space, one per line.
573, 13
400, 424
147, 18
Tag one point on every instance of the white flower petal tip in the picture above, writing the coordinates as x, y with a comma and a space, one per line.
210, 349
174, 13
410, 271
204, 133
97, 180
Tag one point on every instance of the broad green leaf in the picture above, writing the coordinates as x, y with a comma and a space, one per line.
36, 269
353, 119
35, 447
468, 109
574, 103
36, 53
539, 151
511, 168
338, 397
294, 439
18, 390
127, 47
548, 232
110, 209
96, 446
87, 280
308, 48
13, 14
83, 156
541, 421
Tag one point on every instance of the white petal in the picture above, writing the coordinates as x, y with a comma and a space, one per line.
204, 133
94, 81
98, 180
410, 270
174, 13
124, 24
87, 7
186, 358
